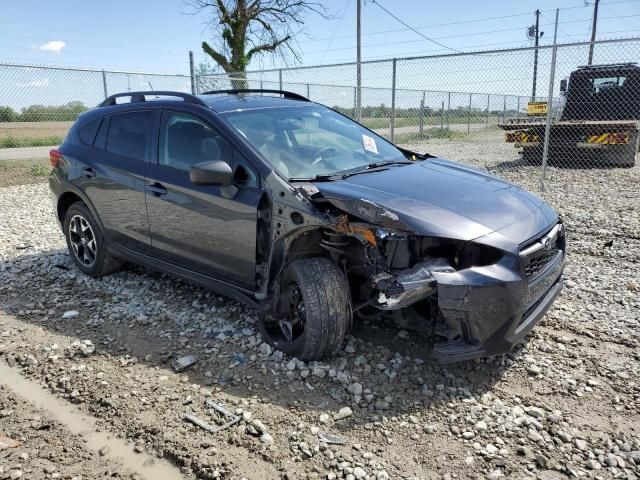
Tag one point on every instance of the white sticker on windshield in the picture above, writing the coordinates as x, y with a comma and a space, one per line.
369, 144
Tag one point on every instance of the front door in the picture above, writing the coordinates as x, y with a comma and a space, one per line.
197, 227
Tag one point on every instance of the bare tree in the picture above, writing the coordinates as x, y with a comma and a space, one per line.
249, 28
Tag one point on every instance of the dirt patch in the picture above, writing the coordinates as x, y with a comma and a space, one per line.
28, 130
22, 172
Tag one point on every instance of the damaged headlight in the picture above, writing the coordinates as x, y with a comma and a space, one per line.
403, 251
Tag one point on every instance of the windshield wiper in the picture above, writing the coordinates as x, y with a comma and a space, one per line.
371, 167
388, 162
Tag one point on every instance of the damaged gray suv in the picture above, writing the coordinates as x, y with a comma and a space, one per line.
307, 216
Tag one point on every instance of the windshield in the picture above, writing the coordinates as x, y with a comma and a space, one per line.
305, 142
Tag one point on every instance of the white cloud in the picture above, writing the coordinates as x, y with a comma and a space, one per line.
39, 83
54, 46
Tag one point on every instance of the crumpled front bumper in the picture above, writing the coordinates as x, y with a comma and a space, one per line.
493, 307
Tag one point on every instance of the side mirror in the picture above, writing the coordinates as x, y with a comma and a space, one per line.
216, 172
563, 86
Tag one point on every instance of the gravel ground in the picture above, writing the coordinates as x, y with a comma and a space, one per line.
563, 404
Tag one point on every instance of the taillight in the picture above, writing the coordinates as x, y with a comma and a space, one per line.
54, 156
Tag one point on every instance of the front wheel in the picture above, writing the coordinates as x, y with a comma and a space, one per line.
313, 312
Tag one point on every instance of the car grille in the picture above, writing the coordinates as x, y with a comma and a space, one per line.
537, 254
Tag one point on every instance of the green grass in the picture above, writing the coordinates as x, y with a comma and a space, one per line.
39, 170
12, 142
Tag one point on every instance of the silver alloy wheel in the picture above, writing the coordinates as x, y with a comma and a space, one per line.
82, 240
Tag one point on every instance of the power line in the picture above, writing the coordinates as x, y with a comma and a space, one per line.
335, 30
411, 28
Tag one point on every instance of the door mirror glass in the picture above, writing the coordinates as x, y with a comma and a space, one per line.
215, 172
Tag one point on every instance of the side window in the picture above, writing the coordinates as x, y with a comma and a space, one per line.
87, 132
129, 134
243, 172
185, 141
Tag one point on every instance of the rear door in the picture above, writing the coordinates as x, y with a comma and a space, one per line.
202, 228
113, 176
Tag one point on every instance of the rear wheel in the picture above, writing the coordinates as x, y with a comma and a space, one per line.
86, 242
313, 314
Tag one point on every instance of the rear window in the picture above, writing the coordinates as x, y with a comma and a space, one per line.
605, 84
129, 133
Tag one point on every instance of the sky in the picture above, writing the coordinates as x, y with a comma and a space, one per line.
156, 36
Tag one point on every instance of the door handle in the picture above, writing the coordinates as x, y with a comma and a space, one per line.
157, 189
88, 172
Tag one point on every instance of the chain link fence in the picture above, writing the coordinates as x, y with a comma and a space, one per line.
38, 104
475, 107
471, 107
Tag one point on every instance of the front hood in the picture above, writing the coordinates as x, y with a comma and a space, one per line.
440, 198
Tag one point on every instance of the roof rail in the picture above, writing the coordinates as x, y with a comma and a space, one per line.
609, 65
140, 97
284, 93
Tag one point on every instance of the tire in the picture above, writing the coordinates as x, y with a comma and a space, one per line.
86, 244
319, 327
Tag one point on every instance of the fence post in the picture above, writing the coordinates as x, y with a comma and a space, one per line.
469, 114
355, 103
393, 99
104, 83
504, 108
547, 128
308, 91
488, 110
518, 105
280, 78
192, 72
442, 117
421, 114
448, 109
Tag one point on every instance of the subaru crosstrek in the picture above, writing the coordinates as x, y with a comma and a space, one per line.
307, 216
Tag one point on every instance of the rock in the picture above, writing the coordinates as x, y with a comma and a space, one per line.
534, 369
495, 474
343, 413
359, 473
15, 474
355, 389
259, 426
70, 314
104, 451
266, 438
534, 436
430, 429
265, 349
491, 449
534, 412
581, 444
31, 361
324, 418
542, 461
182, 363
481, 426
468, 435
592, 464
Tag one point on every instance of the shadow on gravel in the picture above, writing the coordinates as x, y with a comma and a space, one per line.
152, 317
561, 163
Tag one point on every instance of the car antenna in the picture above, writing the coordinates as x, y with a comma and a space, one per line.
151, 87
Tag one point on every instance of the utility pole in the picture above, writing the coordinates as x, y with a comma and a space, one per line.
358, 112
593, 31
535, 58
